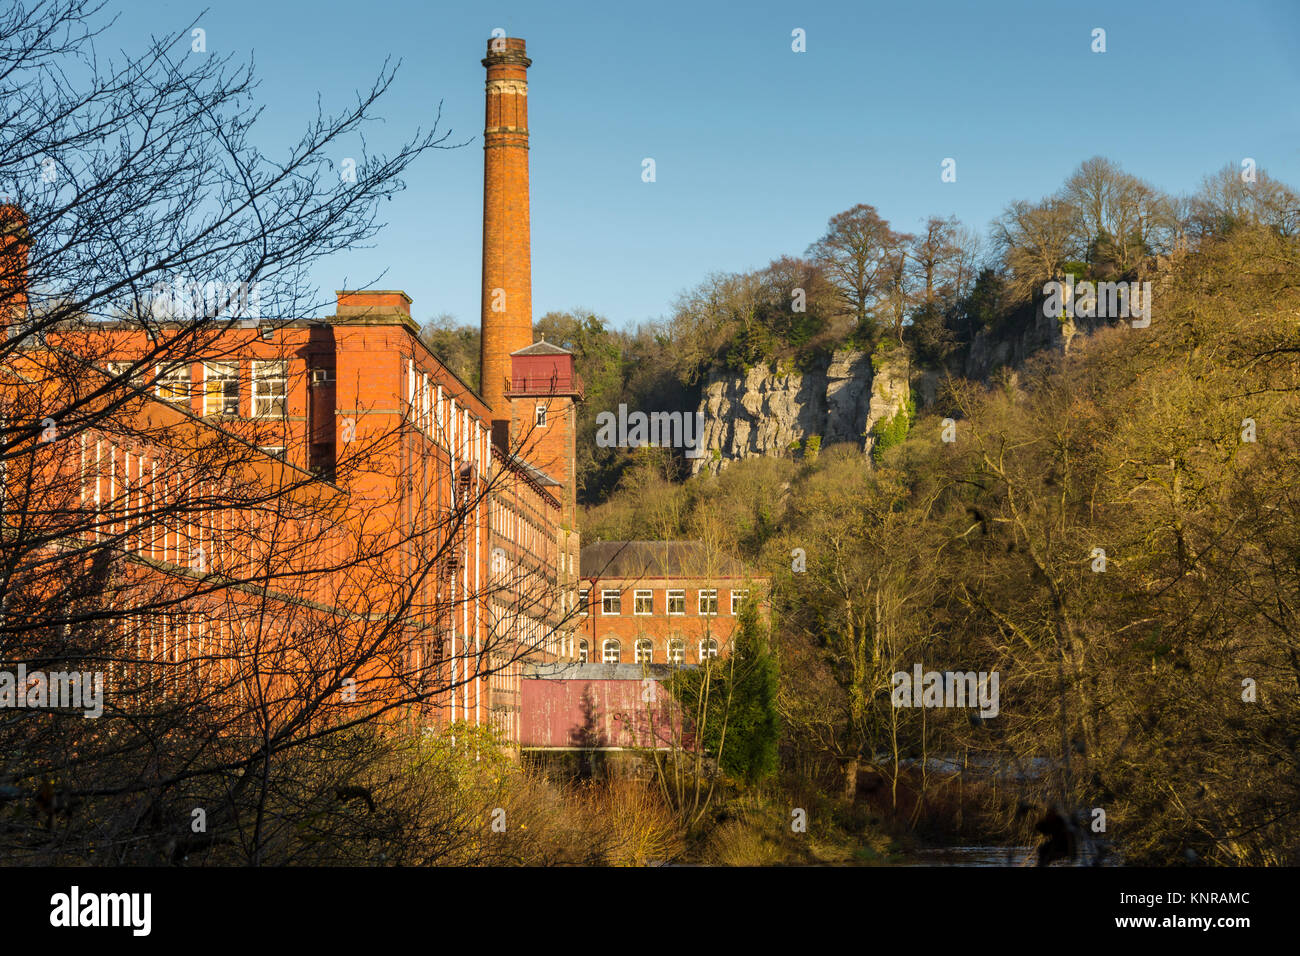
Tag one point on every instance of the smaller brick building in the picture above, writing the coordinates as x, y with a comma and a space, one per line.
659, 602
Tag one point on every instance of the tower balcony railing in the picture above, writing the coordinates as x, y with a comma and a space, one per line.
546, 384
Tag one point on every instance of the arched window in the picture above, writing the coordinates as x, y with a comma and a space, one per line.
611, 652
645, 651
708, 648
676, 651
584, 652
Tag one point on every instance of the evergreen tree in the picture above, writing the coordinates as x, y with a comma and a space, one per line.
753, 725
734, 701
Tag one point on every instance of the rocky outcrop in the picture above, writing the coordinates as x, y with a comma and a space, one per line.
770, 411
989, 352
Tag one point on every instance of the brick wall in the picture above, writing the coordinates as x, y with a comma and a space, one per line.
507, 256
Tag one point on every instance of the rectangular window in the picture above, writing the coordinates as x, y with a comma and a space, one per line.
677, 602
709, 601
426, 411
737, 599
583, 595
275, 451
270, 382
220, 388
643, 602
611, 602
122, 369
174, 385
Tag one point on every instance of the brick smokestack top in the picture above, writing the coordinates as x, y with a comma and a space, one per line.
507, 256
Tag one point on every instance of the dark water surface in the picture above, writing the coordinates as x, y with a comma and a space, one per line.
973, 856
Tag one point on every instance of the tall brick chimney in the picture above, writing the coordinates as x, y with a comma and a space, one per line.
15, 243
507, 254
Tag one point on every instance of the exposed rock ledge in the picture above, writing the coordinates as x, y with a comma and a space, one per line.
767, 412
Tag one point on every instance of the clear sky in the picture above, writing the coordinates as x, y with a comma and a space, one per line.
756, 146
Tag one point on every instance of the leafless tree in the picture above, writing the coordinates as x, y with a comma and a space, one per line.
257, 629
860, 254
1035, 241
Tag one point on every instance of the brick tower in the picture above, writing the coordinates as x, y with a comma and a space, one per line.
507, 256
15, 243
545, 388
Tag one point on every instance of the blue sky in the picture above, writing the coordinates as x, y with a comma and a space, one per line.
755, 146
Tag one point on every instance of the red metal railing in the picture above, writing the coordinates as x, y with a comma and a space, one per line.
545, 384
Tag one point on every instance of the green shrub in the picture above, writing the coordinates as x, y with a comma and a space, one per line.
893, 432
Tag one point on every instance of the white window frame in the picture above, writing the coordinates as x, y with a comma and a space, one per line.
643, 594
229, 375
263, 404
120, 369
166, 380
584, 651
584, 601
539, 416
611, 644
735, 604
676, 650
644, 644
426, 405
676, 594
710, 595
275, 451
604, 597
709, 644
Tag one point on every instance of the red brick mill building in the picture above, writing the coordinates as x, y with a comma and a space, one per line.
386, 446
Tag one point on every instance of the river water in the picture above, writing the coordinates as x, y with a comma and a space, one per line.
973, 856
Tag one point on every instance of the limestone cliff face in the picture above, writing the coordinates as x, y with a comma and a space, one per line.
766, 412
1045, 333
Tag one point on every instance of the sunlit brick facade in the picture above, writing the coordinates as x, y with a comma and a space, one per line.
422, 538
659, 602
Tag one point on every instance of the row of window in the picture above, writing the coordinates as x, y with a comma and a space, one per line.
129, 496
611, 650
611, 601
438, 418
220, 386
